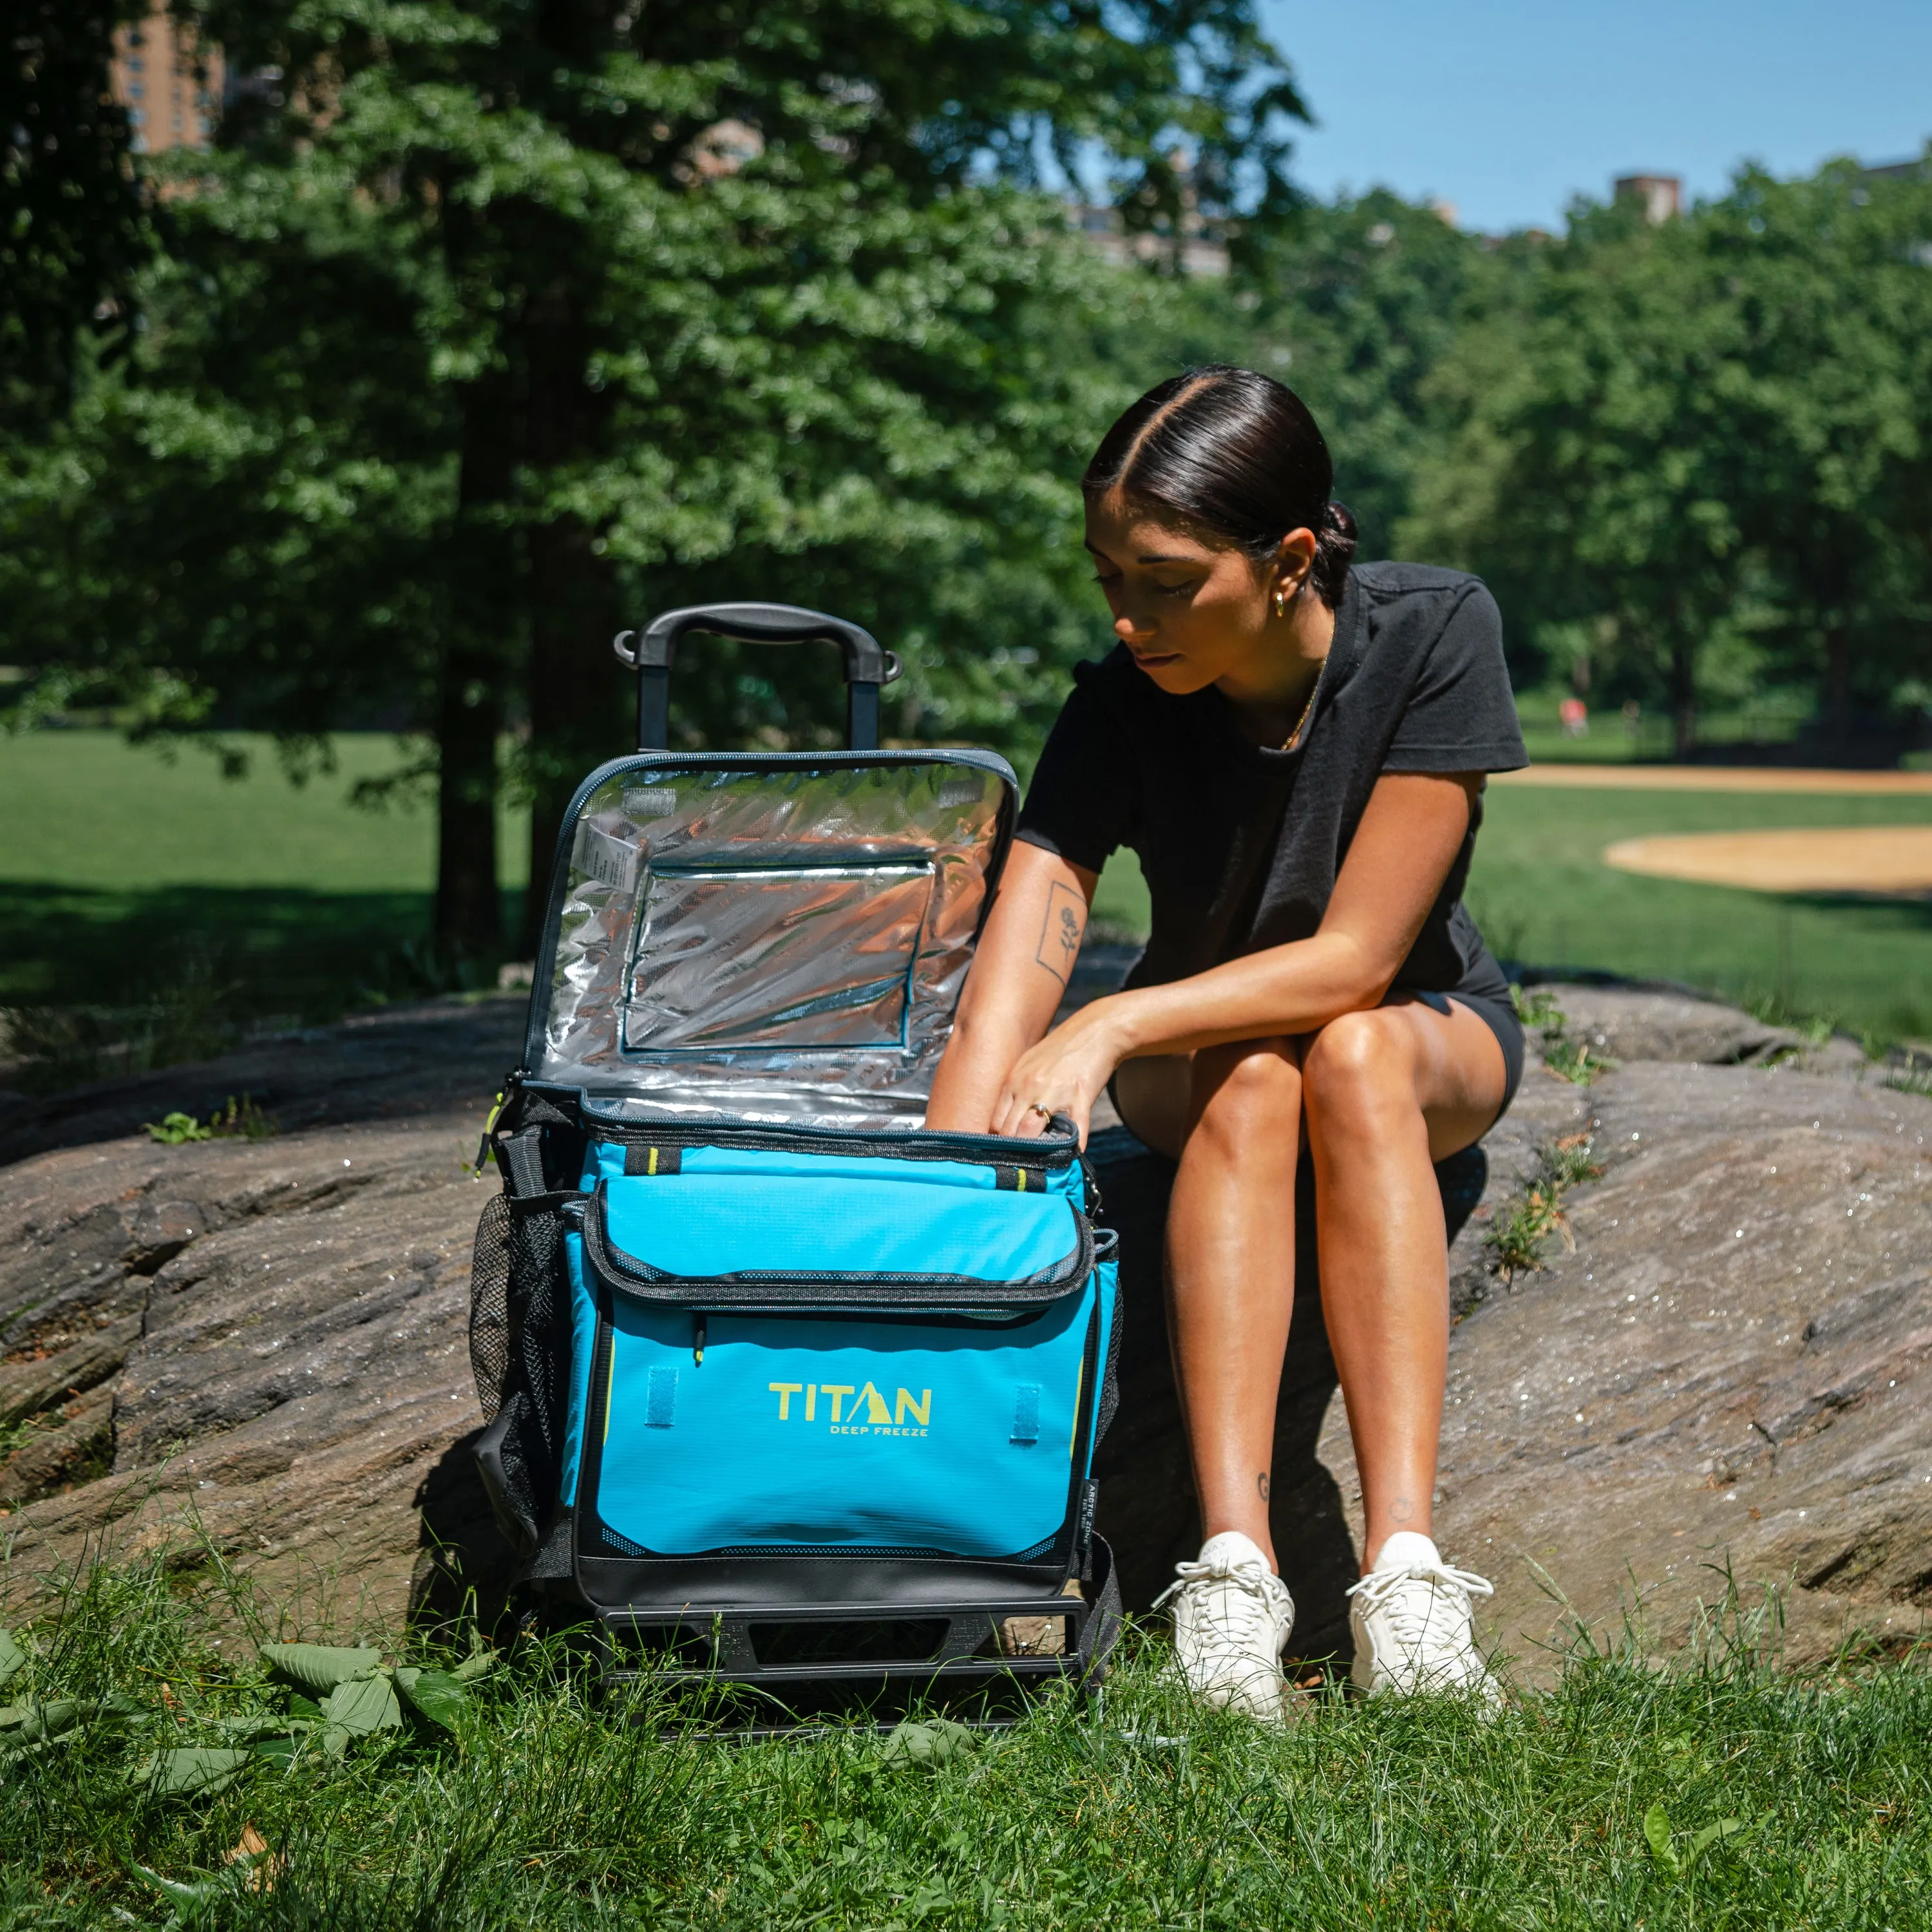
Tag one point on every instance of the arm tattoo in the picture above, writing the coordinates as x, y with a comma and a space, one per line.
1262, 1484
1061, 930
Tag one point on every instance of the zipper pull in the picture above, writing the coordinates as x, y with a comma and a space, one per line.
698, 1339
1094, 1201
483, 1145
515, 1079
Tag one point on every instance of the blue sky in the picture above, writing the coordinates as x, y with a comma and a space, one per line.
1507, 109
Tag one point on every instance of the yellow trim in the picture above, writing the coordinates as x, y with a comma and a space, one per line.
653, 1168
610, 1387
1019, 1179
1079, 1378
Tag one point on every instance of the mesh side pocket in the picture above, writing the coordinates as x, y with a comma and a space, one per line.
520, 1454
490, 1307
1110, 1384
540, 1332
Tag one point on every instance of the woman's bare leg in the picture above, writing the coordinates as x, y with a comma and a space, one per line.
1387, 1093
1230, 1260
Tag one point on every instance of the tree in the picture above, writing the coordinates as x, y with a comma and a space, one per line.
1669, 446
75, 225
500, 322
1355, 302
1832, 277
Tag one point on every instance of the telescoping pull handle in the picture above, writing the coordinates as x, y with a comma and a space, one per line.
649, 653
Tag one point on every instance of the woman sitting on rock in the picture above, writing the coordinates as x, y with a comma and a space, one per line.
1295, 748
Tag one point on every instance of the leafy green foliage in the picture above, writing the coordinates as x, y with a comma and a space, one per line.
1524, 1224
240, 1120
493, 328
196, 1768
1688, 457
320, 1667
1571, 1060
76, 227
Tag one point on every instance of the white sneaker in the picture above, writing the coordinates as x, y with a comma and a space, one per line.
1231, 1617
1414, 1624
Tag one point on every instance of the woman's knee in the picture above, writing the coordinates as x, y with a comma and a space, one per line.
1247, 1085
1360, 1063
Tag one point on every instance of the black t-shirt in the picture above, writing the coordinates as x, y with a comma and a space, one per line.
1239, 845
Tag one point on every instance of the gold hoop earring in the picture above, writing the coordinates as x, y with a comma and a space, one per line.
1281, 603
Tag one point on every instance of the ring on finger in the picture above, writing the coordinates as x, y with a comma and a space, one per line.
1045, 1113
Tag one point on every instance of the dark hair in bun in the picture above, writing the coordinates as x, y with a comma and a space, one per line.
1237, 456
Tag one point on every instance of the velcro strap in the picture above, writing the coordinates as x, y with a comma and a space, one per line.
660, 1398
1026, 1412
652, 1159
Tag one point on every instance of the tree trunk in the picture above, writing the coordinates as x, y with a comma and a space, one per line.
484, 567
1684, 696
577, 710
1837, 685
470, 716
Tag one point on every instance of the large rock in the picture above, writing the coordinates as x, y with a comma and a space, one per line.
267, 1339
264, 1341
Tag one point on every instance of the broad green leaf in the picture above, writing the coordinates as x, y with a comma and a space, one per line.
46, 1720
1725, 1827
260, 1724
305, 1710
197, 1767
1657, 1832
435, 1693
363, 1704
320, 1666
278, 1751
479, 1664
12, 1657
197, 1893
927, 1745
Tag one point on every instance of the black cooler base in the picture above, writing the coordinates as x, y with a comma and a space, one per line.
982, 1658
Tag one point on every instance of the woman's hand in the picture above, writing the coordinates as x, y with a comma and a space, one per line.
1064, 1074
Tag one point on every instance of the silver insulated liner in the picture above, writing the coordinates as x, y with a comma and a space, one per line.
780, 938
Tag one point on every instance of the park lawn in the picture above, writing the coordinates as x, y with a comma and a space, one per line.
1722, 1792
120, 869
123, 868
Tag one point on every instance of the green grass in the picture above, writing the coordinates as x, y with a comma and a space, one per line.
1542, 896
126, 877
1612, 739
1583, 1808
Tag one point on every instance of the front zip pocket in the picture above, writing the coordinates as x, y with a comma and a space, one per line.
806, 1430
763, 1240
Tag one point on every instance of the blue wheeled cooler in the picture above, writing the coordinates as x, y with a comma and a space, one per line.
778, 1383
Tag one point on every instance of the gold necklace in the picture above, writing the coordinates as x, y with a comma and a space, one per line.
1288, 743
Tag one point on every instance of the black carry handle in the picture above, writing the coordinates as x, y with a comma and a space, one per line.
649, 653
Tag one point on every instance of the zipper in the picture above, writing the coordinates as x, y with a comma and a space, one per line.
836, 1293
908, 1144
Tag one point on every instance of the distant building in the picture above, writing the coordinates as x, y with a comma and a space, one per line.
1662, 196
1199, 248
1201, 253
170, 86
1919, 170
